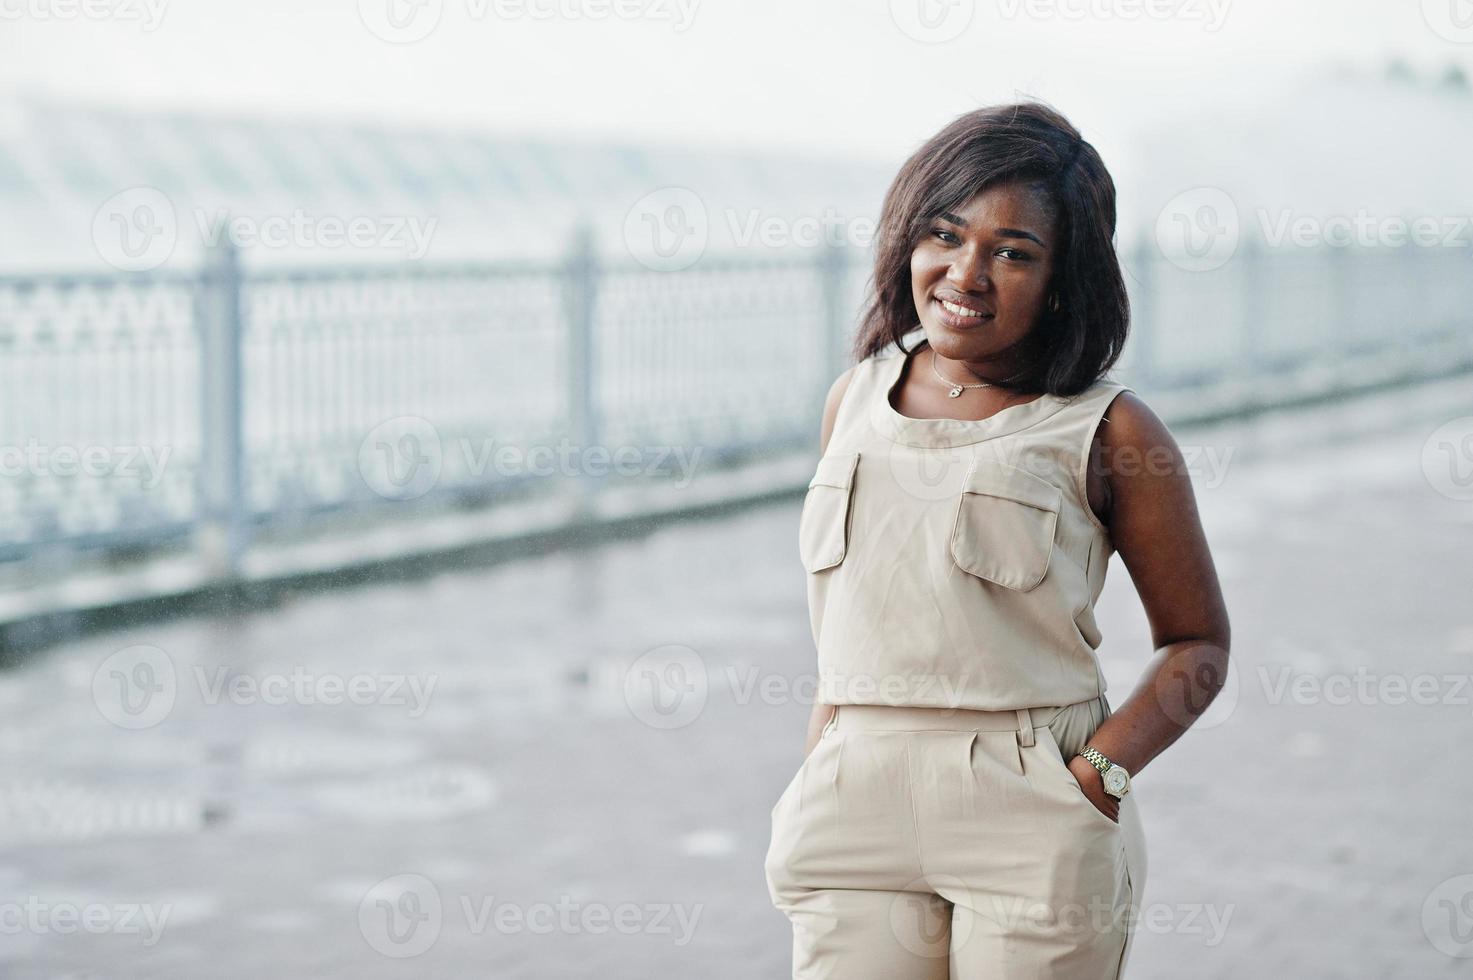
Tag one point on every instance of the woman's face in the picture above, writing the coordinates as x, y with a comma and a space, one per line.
980, 275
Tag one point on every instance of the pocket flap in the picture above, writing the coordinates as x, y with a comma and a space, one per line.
1005, 523
823, 527
1001, 480
835, 470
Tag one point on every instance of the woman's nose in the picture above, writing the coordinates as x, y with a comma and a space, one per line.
968, 271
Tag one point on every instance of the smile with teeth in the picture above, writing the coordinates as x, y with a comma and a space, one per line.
961, 310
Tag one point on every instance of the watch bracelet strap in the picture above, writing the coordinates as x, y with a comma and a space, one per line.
1096, 758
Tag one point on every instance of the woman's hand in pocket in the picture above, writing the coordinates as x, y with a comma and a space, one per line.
1092, 784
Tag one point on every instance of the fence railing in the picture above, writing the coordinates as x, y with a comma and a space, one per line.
139, 409
216, 403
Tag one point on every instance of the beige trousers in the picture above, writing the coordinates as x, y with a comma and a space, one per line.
952, 844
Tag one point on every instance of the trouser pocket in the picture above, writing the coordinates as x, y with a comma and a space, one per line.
1068, 733
1075, 724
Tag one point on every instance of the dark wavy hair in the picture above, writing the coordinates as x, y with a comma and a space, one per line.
1030, 143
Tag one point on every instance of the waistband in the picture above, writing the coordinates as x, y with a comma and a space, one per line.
908, 718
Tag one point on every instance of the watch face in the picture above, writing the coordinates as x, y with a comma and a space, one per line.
1115, 781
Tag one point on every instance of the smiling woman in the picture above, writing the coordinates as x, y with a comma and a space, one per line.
964, 809
1008, 199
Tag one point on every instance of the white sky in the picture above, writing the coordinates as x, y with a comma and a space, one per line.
816, 75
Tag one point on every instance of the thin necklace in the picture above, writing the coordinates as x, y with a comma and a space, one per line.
956, 389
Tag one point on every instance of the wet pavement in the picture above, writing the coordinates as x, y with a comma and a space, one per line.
483, 774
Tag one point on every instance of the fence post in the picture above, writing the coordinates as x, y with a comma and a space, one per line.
221, 527
833, 265
580, 286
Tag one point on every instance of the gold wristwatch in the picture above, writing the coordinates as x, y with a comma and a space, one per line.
1117, 780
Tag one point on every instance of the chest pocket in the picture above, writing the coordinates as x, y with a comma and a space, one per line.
1005, 524
823, 527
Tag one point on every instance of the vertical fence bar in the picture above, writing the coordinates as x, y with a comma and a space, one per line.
580, 300
221, 528
833, 266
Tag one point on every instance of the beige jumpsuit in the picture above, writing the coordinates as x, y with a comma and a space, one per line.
936, 831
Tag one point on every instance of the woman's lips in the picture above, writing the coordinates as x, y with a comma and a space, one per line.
957, 315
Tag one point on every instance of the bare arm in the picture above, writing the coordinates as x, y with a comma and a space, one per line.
821, 713
1155, 527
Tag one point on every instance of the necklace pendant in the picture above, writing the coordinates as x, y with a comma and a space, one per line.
954, 392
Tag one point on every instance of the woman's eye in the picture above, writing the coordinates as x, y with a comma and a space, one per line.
1015, 254
944, 235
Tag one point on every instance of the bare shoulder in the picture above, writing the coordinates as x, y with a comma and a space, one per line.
831, 404
1131, 442
1130, 423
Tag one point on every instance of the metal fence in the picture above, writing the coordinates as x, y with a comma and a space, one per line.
236, 398
233, 398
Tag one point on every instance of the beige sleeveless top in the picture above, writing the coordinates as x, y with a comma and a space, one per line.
954, 563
